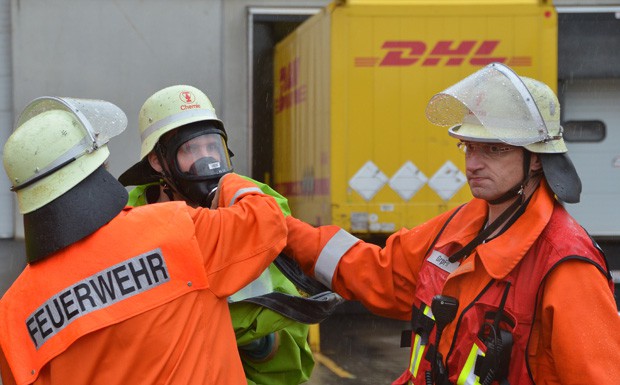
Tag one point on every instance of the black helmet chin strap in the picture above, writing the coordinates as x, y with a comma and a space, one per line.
518, 188
508, 216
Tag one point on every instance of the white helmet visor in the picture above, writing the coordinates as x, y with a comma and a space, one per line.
101, 119
496, 98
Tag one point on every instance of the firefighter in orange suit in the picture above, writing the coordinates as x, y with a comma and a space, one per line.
506, 289
184, 153
102, 300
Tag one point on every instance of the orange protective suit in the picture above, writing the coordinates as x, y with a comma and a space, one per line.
576, 333
144, 299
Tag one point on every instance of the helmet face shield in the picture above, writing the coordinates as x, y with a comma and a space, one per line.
100, 119
203, 156
497, 101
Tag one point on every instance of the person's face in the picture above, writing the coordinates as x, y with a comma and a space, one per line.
200, 147
492, 168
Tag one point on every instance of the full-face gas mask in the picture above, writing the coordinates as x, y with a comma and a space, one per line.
194, 157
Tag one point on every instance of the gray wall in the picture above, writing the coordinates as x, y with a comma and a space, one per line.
123, 51
6, 117
117, 51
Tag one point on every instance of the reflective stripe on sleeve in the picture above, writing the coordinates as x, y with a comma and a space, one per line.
331, 254
243, 191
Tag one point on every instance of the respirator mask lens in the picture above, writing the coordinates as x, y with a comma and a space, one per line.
203, 156
198, 157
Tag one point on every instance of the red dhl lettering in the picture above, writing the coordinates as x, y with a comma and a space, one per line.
288, 75
306, 187
406, 53
287, 100
444, 52
289, 92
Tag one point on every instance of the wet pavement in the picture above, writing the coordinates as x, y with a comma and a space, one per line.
359, 348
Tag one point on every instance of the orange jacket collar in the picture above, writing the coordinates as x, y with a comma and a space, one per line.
503, 253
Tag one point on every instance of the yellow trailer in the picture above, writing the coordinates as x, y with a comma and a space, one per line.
352, 144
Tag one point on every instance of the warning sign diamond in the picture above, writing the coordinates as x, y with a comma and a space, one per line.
408, 180
368, 180
447, 181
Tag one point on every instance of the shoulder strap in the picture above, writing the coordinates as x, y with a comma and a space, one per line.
309, 310
443, 228
511, 213
315, 303
291, 270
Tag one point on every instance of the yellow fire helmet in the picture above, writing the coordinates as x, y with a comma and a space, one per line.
58, 144
166, 110
170, 108
496, 105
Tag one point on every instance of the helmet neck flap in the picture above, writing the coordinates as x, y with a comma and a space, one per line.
76, 214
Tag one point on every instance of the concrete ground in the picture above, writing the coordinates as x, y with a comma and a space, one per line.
359, 348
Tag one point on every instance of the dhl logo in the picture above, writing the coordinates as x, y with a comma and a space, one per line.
445, 52
290, 92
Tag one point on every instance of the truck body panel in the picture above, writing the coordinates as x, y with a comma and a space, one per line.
357, 144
